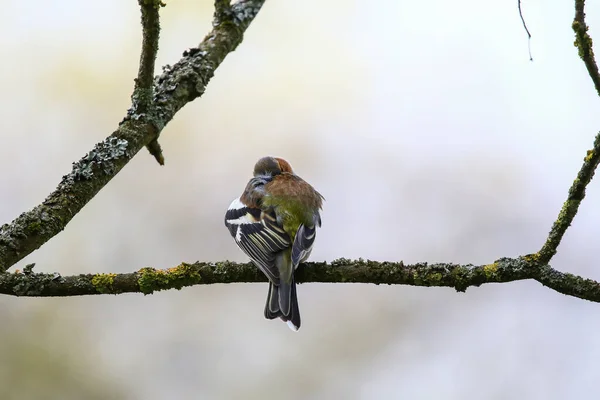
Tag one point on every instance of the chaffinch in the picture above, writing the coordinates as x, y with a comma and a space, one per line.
274, 222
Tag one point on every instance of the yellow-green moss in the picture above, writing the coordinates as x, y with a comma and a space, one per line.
532, 258
104, 282
435, 278
34, 227
427, 278
490, 269
417, 278
459, 273
589, 156
583, 42
151, 280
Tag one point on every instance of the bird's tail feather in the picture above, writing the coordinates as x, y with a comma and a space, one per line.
283, 297
272, 307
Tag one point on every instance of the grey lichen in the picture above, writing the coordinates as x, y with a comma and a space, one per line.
28, 269
179, 84
100, 157
143, 107
245, 11
186, 80
31, 284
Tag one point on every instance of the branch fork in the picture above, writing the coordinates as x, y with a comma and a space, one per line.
155, 100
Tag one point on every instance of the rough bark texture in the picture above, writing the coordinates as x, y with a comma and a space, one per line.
149, 280
142, 94
583, 42
152, 108
154, 103
571, 205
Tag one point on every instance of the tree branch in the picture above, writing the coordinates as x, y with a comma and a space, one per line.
142, 94
178, 85
155, 103
583, 42
149, 280
571, 205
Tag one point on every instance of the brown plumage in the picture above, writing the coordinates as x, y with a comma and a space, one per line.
292, 186
274, 222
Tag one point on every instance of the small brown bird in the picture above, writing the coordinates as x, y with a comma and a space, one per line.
274, 222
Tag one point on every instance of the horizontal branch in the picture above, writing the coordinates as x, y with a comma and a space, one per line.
178, 85
149, 280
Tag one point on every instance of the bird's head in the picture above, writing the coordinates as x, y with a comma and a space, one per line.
272, 166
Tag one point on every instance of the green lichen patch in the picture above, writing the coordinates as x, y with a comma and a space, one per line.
434, 279
151, 280
531, 258
223, 268
34, 227
427, 277
490, 270
104, 283
460, 276
589, 156
341, 262
583, 41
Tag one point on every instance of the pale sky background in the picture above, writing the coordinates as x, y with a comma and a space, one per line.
425, 126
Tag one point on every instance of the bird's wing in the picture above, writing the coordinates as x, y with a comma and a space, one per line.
303, 243
257, 233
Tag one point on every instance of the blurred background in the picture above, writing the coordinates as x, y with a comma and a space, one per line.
425, 126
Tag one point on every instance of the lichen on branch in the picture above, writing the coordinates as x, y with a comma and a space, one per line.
154, 103
178, 85
150, 280
571, 205
584, 43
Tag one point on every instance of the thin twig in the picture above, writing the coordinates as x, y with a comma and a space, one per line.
526, 30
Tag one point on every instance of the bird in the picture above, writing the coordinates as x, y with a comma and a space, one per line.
274, 222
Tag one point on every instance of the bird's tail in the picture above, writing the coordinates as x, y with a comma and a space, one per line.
282, 302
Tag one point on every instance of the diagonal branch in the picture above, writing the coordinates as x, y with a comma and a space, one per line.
571, 205
149, 280
178, 85
583, 42
568, 284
